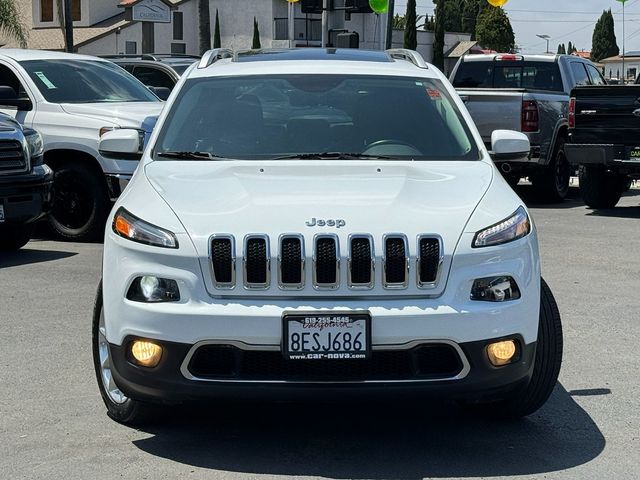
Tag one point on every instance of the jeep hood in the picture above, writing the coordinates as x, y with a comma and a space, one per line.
272, 198
121, 114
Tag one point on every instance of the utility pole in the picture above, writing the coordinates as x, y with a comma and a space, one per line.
390, 16
68, 26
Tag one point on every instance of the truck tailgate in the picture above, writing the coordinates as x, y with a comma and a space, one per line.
607, 115
494, 109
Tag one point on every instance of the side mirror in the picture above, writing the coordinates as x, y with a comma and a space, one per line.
509, 145
9, 98
161, 92
122, 143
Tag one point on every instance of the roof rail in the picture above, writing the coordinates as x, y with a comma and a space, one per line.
212, 56
408, 55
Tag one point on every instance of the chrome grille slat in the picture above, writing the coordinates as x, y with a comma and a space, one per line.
326, 262
222, 259
291, 262
429, 260
361, 262
395, 263
256, 262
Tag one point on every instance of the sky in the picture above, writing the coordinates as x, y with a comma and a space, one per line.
568, 21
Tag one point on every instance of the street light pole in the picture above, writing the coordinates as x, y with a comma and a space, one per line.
544, 37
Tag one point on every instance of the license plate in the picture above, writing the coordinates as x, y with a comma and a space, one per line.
1, 213
634, 155
327, 337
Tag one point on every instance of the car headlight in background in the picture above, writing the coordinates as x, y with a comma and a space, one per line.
516, 226
132, 228
34, 143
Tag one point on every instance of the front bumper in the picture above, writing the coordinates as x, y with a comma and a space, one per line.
26, 197
167, 382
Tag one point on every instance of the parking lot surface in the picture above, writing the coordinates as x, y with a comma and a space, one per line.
53, 423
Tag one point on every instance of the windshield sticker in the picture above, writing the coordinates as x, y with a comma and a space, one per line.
46, 81
434, 94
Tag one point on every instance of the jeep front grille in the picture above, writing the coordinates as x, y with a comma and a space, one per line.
396, 262
12, 157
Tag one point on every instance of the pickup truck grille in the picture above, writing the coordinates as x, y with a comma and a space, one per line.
326, 253
12, 157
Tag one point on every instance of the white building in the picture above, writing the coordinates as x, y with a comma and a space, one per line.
612, 66
104, 27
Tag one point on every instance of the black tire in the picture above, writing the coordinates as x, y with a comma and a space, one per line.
599, 188
129, 412
81, 203
547, 364
14, 237
551, 183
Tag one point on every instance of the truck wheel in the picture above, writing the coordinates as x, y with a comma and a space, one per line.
81, 203
599, 188
120, 408
14, 237
552, 181
546, 368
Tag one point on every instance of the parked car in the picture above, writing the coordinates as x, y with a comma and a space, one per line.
321, 222
72, 100
527, 93
159, 71
604, 141
25, 183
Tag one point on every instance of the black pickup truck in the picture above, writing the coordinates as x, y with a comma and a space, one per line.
604, 141
25, 183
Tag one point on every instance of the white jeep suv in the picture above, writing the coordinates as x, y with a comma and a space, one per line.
326, 223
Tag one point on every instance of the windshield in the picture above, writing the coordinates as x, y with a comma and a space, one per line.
315, 116
505, 74
85, 81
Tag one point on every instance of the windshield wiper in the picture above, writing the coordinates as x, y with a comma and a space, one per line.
332, 155
190, 155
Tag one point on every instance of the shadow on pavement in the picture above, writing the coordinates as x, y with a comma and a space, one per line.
385, 440
27, 256
617, 212
532, 199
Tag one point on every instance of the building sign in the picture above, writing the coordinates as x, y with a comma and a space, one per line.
155, 11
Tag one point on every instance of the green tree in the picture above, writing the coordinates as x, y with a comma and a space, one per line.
438, 42
453, 15
217, 41
410, 33
256, 35
494, 30
204, 26
570, 48
10, 23
603, 42
470, 11
399, 22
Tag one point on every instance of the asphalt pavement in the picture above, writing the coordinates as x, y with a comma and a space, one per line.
53, 424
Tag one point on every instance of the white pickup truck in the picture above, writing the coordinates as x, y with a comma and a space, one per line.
72, 100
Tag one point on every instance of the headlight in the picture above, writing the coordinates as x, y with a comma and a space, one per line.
516, 226
34, 143
131, 227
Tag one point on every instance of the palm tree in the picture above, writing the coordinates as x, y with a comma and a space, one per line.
10, 22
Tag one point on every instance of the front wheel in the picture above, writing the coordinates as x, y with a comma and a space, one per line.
547, 362
14, 237
120, 408
81, 203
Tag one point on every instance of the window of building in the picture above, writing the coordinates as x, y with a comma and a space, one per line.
130, 48
76, 10
46, 10
178, 48
178, 33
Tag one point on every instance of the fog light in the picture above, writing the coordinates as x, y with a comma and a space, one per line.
501, 353
150, 289
495, 289
145, 353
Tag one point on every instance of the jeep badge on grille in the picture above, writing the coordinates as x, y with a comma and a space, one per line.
318, 222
